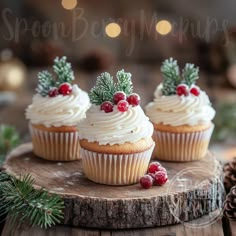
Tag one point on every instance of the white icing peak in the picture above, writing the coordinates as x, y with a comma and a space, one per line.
115, 127
60, 110
180, 110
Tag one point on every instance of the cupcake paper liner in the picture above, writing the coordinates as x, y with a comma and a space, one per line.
180, 147
55, 146
115, 169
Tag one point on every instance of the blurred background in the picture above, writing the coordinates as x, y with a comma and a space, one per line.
107, 35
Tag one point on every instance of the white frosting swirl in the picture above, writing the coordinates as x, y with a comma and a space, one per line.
180, 110
115, 127
60, 110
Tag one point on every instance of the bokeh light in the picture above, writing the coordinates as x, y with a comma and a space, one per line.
69, 4
113, 30
163, 27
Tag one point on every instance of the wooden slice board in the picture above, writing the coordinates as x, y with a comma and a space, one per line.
193, 190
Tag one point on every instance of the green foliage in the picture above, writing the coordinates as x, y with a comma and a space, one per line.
45, 83
63, 71
225, 125
106, 87
124, 82
170, 71
103, 90
172, 77
18, 199
22, 203
9, 138
190, 74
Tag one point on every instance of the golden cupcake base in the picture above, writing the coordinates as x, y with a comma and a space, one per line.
189, 145
55, 143
115, 169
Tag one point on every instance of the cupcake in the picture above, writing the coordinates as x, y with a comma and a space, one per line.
55, 112
181, 114
116, 136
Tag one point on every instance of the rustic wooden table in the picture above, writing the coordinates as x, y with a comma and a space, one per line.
213, 224
218, 228
191, 192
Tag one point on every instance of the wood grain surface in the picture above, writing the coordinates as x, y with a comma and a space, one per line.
194, 189
213, 229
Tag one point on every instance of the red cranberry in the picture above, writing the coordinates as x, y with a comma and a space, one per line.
65, 89
195, 91
154, 167
53, 92
107, 107
160, 178
146, 181
118, 96
182, 89
122, 105
134, 99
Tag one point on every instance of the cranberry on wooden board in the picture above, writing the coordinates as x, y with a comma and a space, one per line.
146, 181
154, 167
160, 178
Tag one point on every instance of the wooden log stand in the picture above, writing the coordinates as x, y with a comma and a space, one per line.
193, 190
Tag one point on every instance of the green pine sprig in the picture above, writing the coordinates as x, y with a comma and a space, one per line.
170, 71
45, 83
22, 203
124, 82
190, 74
103, 90
63, 72
106, 87
9, 138
172, 77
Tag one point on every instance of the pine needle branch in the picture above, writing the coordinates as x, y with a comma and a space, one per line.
64, 74
4, 177
103, 90
172, 78
106, 87
21, 202
45, 83
9, 138
190, 74
124, 82
63, 70
170, 71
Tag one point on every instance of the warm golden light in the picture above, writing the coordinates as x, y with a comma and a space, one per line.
163, 27
113, 30
15, 77
69, 4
